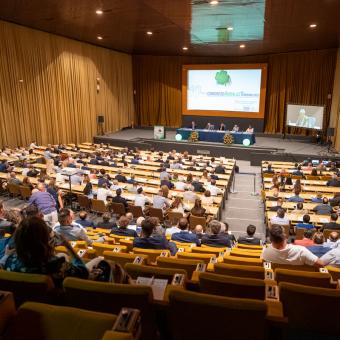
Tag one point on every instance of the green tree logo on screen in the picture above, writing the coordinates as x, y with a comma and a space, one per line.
223, 78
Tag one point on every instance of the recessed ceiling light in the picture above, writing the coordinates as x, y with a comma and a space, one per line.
185, 48
213, 2
313, 25
99, 12
21, 80
242, 46
99, 37
149, 33
230, 28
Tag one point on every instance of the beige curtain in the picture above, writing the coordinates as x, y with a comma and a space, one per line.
57, 100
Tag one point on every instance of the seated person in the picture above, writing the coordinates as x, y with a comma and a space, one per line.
249, 238
307, 239
197, 185
197, 209
222, 127
198, 231
215, 238
122, 228
184, 235
214, 190
207, 199
324, 208
70, 231
235, 128
335, 201
208, 126
193, 125
220, 169
103, 193
333, 182
119, 177
296, 198
119, 199
280, 218
280, 252
159, 201
299, 209
269, 170
189, 195
298, 171
332, 258
83, 221
333, 240
173, 229
317, 198
332, 225
105, 223
34, 253
278, 205
141, 199
178, 206
318, 248
250, 129
305, 223
149, 241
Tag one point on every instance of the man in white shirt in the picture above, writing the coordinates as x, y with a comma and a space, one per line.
332, 257
103, 193
141, 199
214, 190
180, 185
160, 202
172, 230
280, 218
282, 253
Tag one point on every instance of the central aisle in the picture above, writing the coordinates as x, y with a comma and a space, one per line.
242, 207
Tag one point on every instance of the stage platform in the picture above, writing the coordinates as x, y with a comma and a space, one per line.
271, 147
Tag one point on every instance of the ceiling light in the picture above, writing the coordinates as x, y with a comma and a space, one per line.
149, 33
185, 48
213, 2
230, 28
313, 25
21, 80
100, 37
99, 12
242, 46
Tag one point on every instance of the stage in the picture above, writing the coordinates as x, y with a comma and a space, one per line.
267, 147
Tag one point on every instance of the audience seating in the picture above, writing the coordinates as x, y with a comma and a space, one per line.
136, 211
247, 261
195, 220
312, 312
110, 298
255, 272
249, 246
292, 267
223, 317
208, 250
306, 278
242, 253
151, 253
84, 202
13, 189
98, 206
101, 247
37, 321
335, 272
117, 208
136, 270
224, 285
27, 287
154, 212
25, 192
196, 256
188, 265
174, 217
122, 258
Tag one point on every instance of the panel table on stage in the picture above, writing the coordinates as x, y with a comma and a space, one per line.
217, 136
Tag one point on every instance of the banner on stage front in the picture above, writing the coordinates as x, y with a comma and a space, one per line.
158, 132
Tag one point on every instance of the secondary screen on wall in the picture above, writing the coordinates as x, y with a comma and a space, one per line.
224, 90
305, 116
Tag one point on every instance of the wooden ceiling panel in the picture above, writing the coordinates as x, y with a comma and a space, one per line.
264, 26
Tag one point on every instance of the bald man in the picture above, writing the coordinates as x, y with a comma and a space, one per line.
45, 202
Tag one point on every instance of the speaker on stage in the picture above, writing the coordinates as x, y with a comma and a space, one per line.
100, 119
330, 132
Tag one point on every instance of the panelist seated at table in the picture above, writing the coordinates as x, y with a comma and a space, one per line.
222, 127
250, 129
209, 126
236, 128
193, 125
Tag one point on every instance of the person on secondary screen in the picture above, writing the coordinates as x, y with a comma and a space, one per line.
304, 120
250, 129
208, 126
236, 128
222, 127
